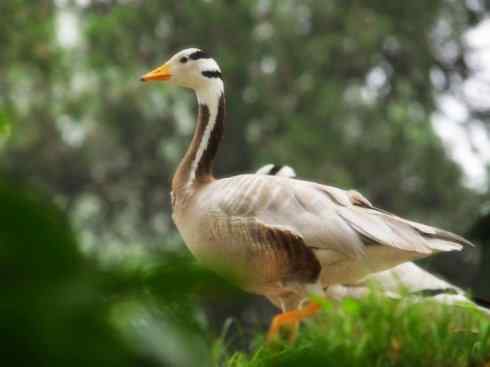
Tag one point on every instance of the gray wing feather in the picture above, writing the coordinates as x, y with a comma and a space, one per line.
384, 231
431, 234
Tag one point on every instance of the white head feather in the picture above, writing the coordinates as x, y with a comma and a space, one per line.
193, 68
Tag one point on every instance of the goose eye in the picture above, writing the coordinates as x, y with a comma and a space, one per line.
183, 60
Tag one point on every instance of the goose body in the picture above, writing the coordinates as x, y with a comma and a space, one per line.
284, 238
277, 231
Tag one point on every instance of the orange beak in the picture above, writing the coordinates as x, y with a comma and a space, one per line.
160, 73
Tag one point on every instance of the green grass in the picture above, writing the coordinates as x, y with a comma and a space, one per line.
377, 332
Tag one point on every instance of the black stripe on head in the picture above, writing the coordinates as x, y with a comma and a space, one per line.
198, 55
212, 74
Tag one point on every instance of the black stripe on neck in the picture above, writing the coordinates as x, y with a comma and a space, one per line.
212, 74
205, 164
199, 55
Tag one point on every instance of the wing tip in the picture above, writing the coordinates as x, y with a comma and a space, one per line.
453, 238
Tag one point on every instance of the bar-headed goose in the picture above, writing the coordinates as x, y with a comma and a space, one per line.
284, 238
406, 278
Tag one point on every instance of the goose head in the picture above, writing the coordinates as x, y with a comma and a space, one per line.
190, 68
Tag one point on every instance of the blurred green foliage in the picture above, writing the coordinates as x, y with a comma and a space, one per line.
344, 91
52, 310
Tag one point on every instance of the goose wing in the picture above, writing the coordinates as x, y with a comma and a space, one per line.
327, 217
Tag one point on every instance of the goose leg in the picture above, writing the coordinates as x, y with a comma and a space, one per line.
291, 319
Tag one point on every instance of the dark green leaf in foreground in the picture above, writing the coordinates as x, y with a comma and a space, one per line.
59, 308
52, 313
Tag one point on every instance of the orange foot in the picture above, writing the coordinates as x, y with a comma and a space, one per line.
291, 319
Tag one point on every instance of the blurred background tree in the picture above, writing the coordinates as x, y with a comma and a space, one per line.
346, 92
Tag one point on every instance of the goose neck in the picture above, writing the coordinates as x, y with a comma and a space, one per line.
197, 164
